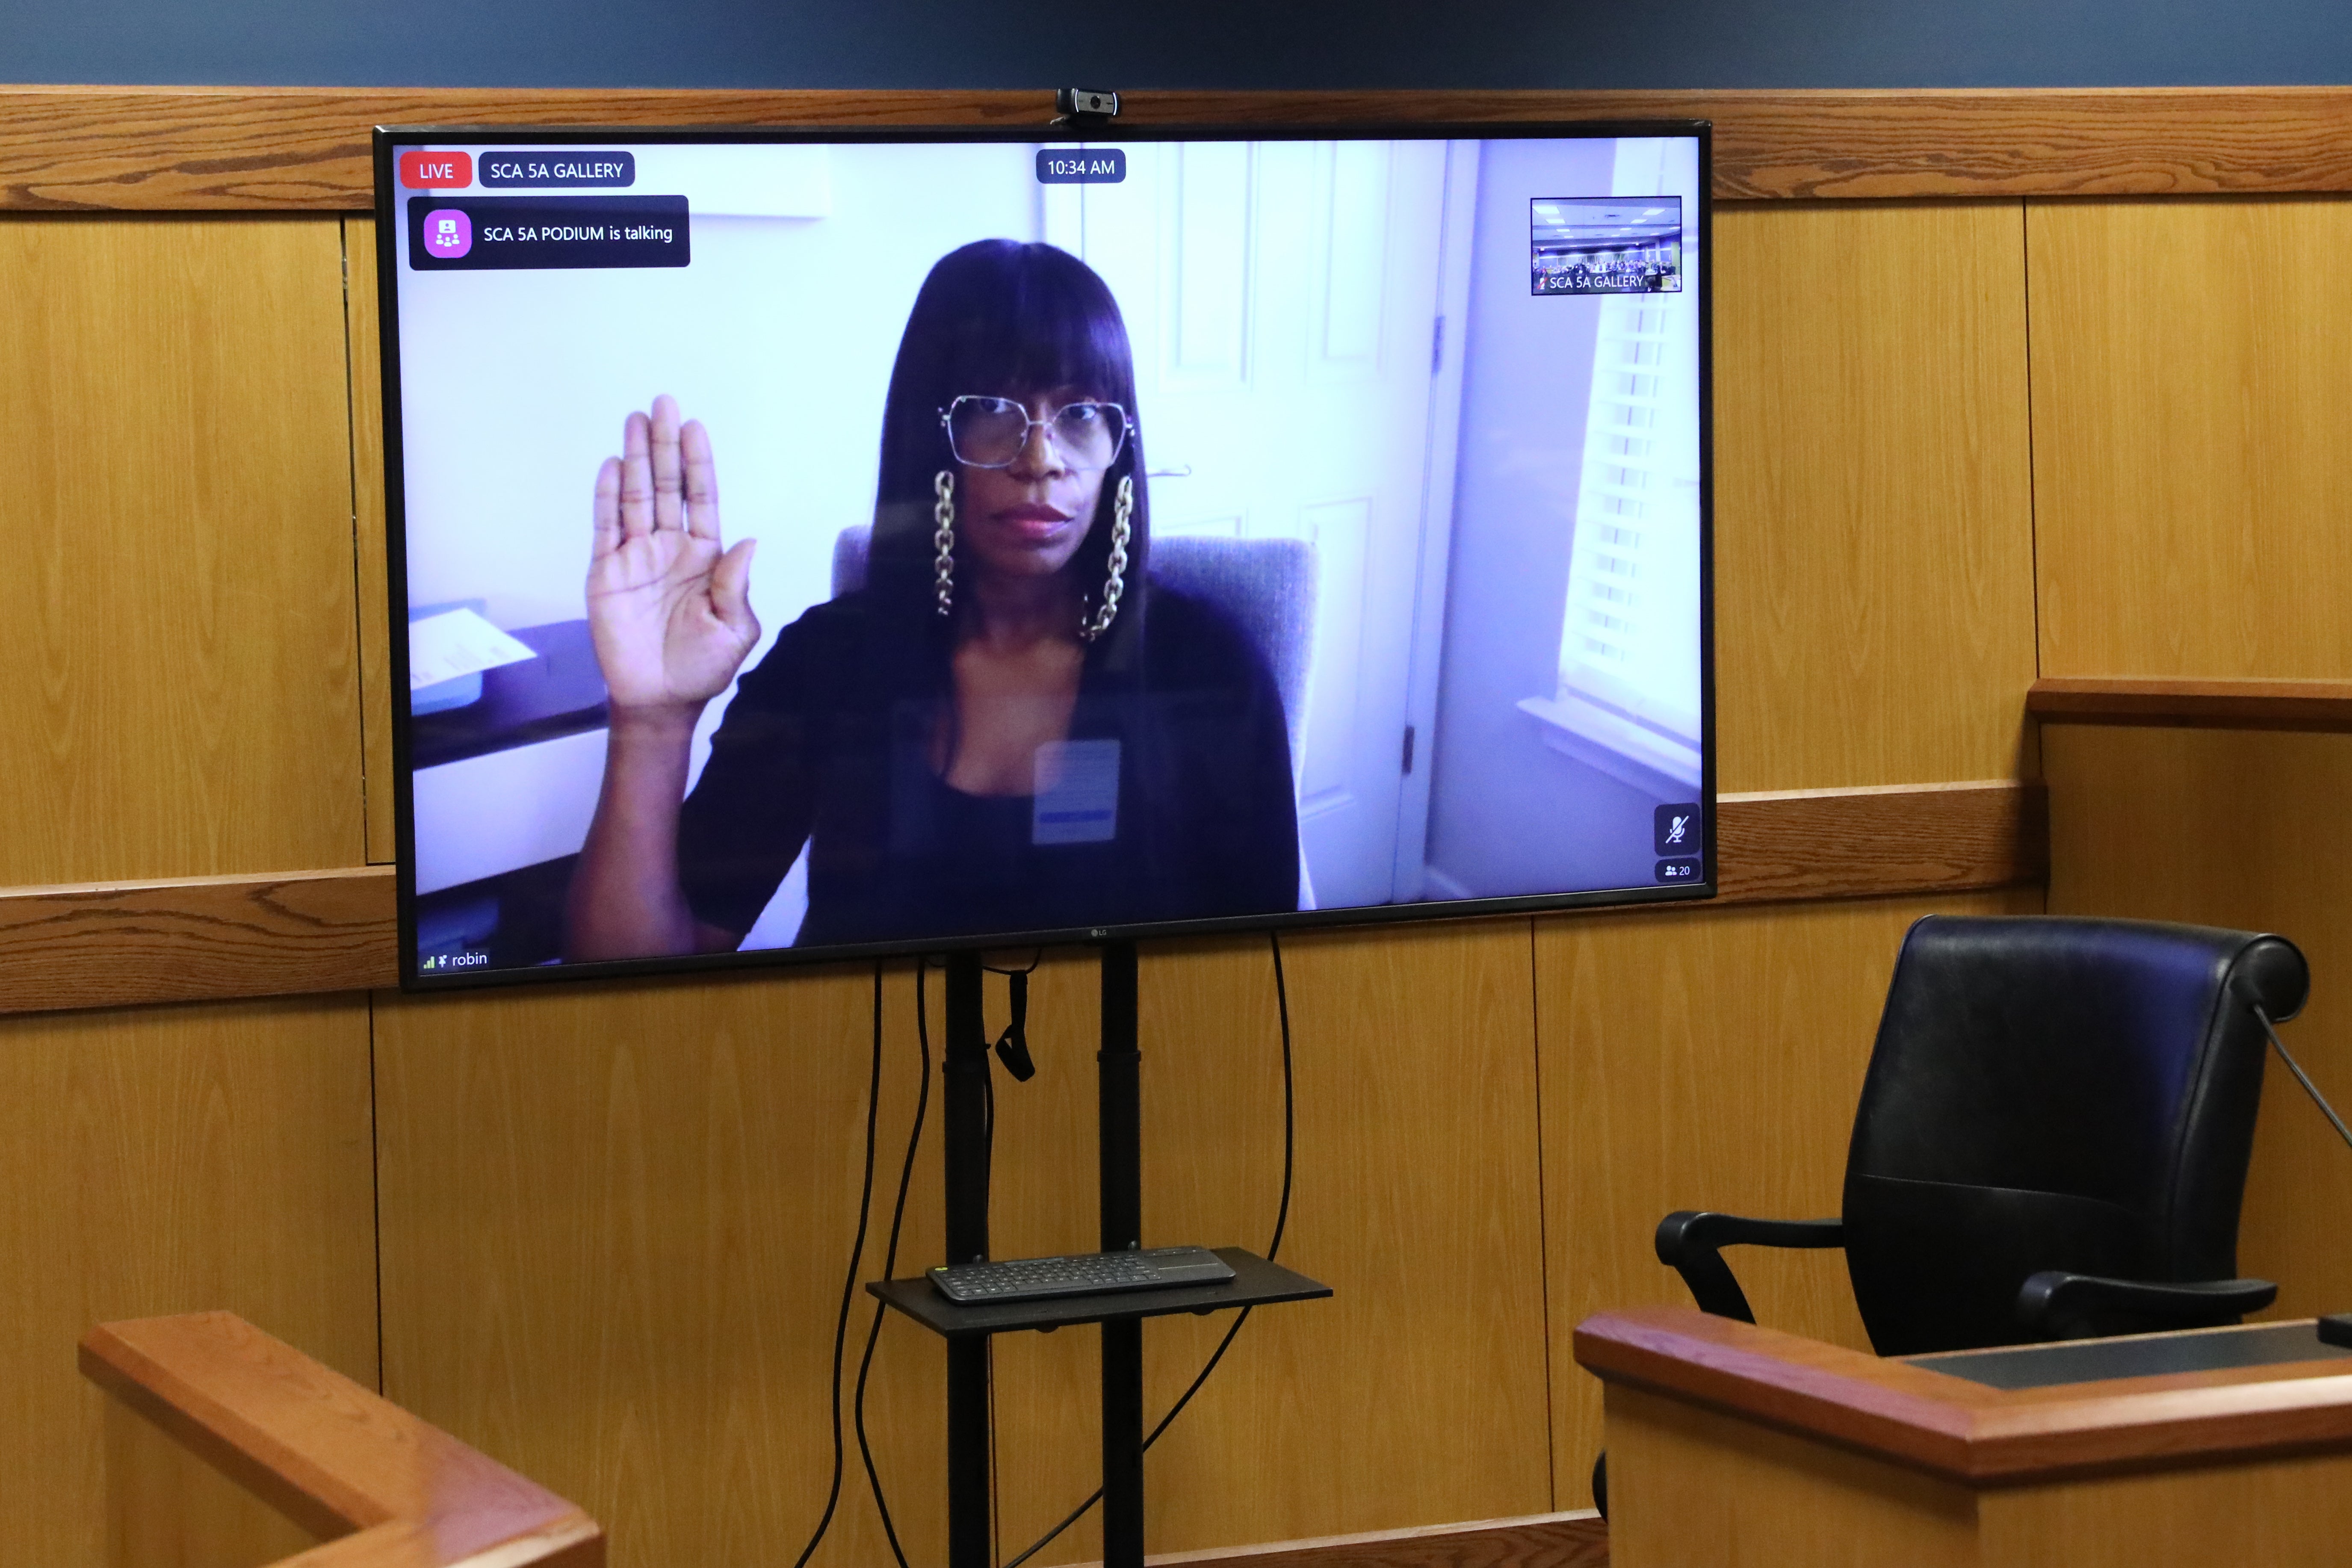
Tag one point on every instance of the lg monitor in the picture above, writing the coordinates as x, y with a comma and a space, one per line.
821, 545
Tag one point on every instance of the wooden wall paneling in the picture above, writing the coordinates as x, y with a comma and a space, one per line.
616, 1221
178, 620
1577, 1539
113, 944
2193, 703
1788, 844
2282, 1515
2286, 1514
366, 370
196, 148
1416, 1395
1873, 541
1709, 1059
161, 1160
164, 1506
2191, 473
2248, 831
1771, 1497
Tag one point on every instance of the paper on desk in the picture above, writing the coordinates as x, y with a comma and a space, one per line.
458, 643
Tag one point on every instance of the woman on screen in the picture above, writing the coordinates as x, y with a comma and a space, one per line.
1009, 728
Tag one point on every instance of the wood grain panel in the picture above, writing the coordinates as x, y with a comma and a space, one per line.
2313, 705
617, 1222
123, 944
1416, 1395
1874, 532
2246, 831
1732, 1445
329, 1454
1966, 1431
1857, 842
2286, 1514
1574, 1540
364, 346
166, 148
165, 1506
1709, 1059
167, 1161
113, 944
2190, 470
178, 616
1770, 1499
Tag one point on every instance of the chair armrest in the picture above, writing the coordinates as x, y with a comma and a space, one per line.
2053, 1302
1688, 1239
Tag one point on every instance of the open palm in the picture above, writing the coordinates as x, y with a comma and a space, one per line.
669, 607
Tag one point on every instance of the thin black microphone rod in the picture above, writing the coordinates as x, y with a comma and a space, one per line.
2301, 1076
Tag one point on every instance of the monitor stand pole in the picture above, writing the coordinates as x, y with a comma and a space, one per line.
964, 1115
1120, 1102
1120, 1107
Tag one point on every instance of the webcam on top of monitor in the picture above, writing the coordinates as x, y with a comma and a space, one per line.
1084, 104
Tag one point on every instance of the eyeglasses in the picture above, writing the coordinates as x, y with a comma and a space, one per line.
990, 432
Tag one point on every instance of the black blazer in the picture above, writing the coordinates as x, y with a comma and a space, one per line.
828, 741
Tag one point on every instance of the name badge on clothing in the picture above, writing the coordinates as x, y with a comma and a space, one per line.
1077, 793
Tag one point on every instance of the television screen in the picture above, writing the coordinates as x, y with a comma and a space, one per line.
812, 545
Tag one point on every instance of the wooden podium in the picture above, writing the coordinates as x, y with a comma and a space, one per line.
1732, 1443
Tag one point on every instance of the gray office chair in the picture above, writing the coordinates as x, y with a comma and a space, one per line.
1266, 585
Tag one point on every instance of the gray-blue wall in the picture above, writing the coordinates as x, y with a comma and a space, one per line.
1143, 44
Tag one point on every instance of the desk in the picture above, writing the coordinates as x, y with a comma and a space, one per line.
1733, 1444
510, 781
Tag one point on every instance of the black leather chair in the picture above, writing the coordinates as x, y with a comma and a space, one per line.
2053, 1137
2052, 1141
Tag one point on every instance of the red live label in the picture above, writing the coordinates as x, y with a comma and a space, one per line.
431, 171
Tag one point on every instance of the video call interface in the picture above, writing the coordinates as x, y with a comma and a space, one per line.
838, 546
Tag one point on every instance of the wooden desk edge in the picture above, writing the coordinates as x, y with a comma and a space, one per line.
333, 1457
1961, 1430
2316, 706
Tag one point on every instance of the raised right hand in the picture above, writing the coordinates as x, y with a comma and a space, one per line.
670, 611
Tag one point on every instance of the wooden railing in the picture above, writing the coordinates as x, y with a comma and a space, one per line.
1574, 1540
114, 944
382, 1487
208, 149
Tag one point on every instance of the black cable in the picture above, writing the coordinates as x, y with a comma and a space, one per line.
890, 1259
2301, 1076
1013, 1045
1012, 1032
1281, 1222
849, 1285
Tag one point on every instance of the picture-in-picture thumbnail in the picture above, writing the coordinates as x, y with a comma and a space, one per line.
1606, 245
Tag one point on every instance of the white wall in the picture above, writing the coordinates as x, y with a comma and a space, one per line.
1508, 813
779, 338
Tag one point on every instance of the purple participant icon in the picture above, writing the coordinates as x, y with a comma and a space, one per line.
448, 233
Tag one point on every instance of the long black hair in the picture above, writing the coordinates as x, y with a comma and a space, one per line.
1002, 318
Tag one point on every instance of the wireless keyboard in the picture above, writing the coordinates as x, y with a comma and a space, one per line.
1080, 1273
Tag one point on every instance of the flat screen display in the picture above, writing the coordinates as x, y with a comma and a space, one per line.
819, 545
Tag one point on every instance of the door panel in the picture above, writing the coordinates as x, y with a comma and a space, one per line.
1282, 400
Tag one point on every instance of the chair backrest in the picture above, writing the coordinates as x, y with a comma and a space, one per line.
2054, 1093
1266, 586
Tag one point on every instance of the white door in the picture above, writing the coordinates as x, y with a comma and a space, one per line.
1282, 299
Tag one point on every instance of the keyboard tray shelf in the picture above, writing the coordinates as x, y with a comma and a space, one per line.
1255, 1283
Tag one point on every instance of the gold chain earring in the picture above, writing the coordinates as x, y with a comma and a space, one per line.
1121, 531
943, 515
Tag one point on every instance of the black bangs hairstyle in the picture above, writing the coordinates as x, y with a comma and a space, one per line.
1002, 318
